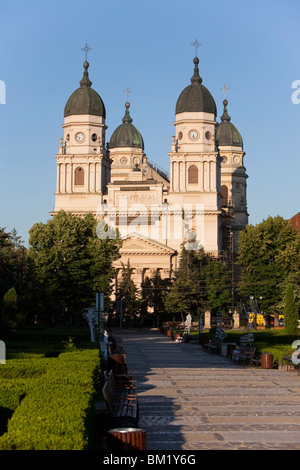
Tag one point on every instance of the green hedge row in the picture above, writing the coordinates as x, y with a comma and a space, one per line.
51, 400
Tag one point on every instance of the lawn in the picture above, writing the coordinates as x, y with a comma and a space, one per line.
48, 342
273, 341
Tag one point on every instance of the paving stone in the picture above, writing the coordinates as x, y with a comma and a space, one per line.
192, 400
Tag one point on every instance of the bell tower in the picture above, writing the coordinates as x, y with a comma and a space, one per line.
194, 160
83, 164
233, 181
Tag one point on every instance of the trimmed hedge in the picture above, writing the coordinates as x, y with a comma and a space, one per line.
53, 405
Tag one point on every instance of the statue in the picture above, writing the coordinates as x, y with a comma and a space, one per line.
91, 316
188, 323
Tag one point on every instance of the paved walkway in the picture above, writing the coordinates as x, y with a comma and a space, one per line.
192, 400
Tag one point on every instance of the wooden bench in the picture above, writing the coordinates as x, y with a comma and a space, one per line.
243, 355
116, 357
247, 339
117, 363
115, 345
287, 361
245, 352
215, 344
120, 394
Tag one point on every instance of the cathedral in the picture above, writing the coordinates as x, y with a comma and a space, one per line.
200, 202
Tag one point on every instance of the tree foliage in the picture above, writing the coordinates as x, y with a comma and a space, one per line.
154, 292
128, 292
70, 261
14, 274
291, 315
200, 282
269, 256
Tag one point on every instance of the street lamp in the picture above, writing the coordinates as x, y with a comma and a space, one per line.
254, 309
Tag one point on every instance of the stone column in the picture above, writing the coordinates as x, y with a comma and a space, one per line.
201, 176
58, 178
207, 320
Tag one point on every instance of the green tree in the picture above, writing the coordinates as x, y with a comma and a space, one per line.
154, 292
218, 286
268, 254
291, 315
201, 281
128, 292
14, 272
188, 289
10, 305
71, 262
7, 266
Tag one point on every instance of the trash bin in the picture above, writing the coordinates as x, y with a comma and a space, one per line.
231, 347
266, 361
126, 439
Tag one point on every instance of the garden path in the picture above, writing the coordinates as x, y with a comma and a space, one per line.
192, 400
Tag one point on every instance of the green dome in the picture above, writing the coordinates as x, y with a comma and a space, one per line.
195, 97
85, 100
126, 135
226, 133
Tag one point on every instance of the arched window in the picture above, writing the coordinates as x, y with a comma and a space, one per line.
79, 176
224, 194
193, 174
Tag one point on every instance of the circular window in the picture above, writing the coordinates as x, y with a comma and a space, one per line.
207, 135
180, 135
123, 160
94, 137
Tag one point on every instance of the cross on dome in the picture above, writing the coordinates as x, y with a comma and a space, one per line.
127, 91
225, 88
86, 49
196, 44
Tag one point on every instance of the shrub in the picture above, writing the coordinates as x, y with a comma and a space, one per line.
57, 409
291, 316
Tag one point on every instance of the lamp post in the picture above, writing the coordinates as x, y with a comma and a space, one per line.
254, 309
100, 312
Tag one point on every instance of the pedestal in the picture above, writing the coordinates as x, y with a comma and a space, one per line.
207, 320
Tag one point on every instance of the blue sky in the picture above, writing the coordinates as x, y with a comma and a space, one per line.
253, 47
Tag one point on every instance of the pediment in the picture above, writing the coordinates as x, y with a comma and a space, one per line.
138, 244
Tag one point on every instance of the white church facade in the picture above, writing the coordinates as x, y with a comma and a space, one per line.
201, 201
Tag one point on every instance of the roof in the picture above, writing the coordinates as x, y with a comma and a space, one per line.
85, 100
295, 222
226, 133
196, 97
126, 135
